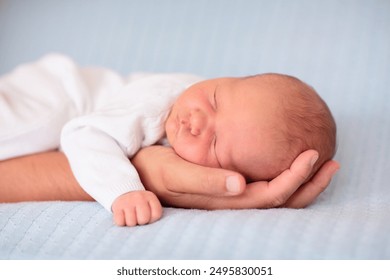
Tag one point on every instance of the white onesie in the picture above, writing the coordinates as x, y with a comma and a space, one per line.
98, 118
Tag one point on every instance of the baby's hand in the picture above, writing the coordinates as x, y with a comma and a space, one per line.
136, 208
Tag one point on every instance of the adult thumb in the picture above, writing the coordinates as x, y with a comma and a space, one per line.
202, 180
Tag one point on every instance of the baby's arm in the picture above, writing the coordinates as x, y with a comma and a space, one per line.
98, 161
102, 168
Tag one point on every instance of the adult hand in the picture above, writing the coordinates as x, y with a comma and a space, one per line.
182, 184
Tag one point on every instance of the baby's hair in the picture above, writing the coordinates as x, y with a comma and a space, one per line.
307, 121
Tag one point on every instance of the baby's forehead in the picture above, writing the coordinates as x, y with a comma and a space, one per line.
258, 88
277, 83
284, 93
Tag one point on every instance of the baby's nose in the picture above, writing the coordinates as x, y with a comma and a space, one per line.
198, 122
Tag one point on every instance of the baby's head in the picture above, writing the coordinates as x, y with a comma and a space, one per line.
255, 125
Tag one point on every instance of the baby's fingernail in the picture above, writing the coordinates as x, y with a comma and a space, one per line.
233, 184
314, 160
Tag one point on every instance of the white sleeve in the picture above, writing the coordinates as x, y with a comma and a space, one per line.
99, 162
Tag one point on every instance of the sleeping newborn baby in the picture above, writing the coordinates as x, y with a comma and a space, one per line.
255, 125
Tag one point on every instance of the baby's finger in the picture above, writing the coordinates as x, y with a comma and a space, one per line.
119, 218
156, 211
143, 213
307, 193
130, 217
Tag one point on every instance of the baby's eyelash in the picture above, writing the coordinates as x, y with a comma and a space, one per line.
215, 150
215, 99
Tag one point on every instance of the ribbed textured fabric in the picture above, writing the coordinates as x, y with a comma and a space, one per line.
84, 230
342, 48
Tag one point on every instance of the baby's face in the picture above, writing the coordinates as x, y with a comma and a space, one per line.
228, 123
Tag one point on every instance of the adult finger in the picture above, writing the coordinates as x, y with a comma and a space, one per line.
182, 176
207, 181
308, 192
282, 187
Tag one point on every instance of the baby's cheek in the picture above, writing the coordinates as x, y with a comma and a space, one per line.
193, 154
